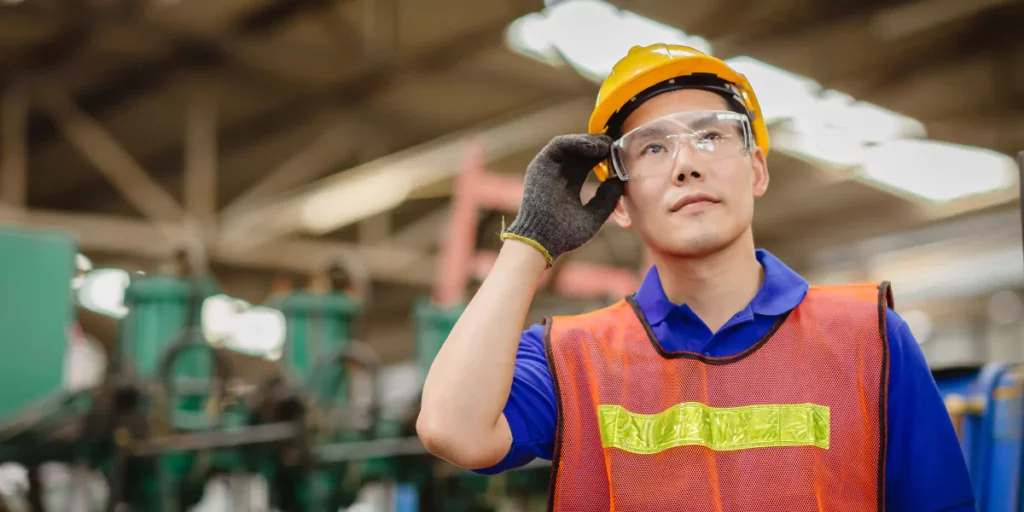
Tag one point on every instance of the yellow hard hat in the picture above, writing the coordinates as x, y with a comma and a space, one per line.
647, 66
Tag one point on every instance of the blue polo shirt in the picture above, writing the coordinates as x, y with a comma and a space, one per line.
925, 467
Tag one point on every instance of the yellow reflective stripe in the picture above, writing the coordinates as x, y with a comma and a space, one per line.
718, 428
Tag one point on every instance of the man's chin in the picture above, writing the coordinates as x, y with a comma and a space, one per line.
699, 246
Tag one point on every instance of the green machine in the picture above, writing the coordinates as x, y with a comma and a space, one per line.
191, 427
337, 378
305, 431
168, 380
36, 269
319, 328
161, 340
159, 423
317, 346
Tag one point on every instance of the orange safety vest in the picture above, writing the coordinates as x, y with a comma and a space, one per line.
795, 423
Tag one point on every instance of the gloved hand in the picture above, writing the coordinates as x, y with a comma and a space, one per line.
552, 218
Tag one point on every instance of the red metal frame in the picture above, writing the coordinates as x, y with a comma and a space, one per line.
477, 189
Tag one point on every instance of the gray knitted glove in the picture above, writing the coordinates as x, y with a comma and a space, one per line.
552, 217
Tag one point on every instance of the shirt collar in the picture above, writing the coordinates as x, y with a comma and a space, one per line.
782, 290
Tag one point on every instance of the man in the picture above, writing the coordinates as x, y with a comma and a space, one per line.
725, 383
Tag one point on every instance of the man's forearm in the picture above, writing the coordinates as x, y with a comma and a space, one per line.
469, 381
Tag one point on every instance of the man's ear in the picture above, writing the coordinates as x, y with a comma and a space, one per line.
620, 215
760, 168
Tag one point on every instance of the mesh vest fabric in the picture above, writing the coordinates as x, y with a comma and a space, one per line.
795, 423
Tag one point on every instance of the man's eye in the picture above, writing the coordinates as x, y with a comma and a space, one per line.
653, 148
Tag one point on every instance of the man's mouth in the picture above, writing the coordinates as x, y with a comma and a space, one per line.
692, 200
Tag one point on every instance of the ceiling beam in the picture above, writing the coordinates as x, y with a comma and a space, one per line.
201, 158
70, 39
851, 48
368, 80
374, 230
794, 33
100, 148
424, 232
353, 94
984, 30
384, 183
189, 50
941, 239
1003, 134
159, 241
796, 246
908, 19
959, 257
381, 22
320, 156
364, 85
14, 109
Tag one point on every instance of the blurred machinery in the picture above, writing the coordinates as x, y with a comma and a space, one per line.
168, 414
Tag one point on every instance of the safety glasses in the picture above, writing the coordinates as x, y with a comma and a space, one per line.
652, 149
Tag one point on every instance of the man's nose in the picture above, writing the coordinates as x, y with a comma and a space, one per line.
684, 170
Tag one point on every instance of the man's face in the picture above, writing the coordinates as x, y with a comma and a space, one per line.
650, 205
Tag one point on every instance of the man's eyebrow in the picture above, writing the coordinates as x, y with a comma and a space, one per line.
711, 120
655, 130
704, 121
659, 129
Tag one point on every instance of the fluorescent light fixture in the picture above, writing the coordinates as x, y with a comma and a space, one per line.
825, 127
102, 291
782, 94
590, 35
82, 262
819, 145
241, 327
258, 331
366, 195
938, 171
82, 265
837, 131
530, 36
217, 315
785, 95
862, 121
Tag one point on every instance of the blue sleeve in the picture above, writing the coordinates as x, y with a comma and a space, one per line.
925, 466
531, 410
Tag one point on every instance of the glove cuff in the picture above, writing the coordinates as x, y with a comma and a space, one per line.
527, 228
531, 242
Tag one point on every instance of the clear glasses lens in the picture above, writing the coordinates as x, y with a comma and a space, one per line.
653, 149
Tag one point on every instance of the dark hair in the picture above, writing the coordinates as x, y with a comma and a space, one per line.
702, 81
